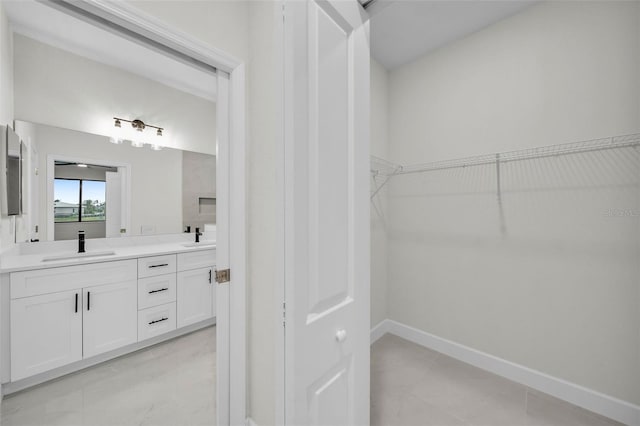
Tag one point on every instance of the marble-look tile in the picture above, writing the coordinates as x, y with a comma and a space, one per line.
411, 385
390, 351
172, 383
543, 410
416, 412
385, 407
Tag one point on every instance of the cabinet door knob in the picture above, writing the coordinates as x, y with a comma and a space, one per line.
341, 335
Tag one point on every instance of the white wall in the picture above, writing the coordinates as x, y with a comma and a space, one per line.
223, 24
58, 88
560, 292
69, 231
6, 108
263, 190
156, 176
379, 208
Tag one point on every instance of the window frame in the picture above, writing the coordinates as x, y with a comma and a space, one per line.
80, 181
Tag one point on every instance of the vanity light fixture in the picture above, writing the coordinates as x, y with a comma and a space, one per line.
137, 135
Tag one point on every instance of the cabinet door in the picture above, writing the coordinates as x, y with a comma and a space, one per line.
110, 317
195, 296
46, 332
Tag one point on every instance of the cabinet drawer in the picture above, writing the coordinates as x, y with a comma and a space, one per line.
156, 321
53, 280
156, 265
196, 259
154, 291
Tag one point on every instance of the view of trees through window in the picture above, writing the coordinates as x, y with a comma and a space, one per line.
79, 200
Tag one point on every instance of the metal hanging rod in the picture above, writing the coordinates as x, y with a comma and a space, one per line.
615, 142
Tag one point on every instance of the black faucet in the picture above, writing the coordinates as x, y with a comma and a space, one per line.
80, 241
198, 233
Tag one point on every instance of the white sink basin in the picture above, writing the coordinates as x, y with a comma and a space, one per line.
72, 256
200, 244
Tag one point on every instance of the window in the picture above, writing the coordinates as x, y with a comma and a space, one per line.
79, 200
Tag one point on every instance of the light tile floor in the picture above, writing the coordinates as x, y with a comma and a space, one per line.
412, 385
172, 383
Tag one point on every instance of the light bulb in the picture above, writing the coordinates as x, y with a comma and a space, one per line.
138, 137
117, 134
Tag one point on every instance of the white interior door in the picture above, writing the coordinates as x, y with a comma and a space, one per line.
326, 213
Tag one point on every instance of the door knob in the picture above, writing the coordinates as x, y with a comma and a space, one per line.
341, 335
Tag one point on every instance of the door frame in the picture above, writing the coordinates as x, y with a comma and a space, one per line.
231, 184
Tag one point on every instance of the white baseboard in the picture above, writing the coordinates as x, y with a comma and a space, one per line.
589, 399
379, 330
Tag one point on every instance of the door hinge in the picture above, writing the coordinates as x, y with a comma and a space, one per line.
223, 276
284, 314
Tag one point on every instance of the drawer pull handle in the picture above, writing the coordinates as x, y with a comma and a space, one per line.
88, 301
210, 271
156, 321
159, 290
76, 303
158, 265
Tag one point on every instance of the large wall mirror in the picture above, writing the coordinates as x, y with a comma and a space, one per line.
87, 183
75, 178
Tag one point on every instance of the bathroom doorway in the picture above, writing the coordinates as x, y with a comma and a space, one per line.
227, 144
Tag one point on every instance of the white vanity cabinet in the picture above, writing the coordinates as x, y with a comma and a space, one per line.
70, 314
62, 315
196, 287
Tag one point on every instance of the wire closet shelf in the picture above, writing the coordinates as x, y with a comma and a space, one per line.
380, 167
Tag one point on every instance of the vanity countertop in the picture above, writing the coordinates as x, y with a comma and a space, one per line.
30, 256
